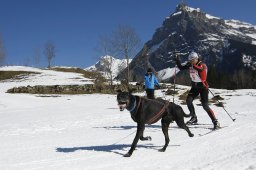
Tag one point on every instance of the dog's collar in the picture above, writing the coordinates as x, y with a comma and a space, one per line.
134, 104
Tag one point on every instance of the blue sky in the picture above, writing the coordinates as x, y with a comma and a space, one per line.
75, 25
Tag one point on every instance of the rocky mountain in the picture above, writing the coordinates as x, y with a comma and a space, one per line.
226, 45
107, 64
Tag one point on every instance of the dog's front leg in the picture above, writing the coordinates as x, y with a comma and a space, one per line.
140, 129
145, 138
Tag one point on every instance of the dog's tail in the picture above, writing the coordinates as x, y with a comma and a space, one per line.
181, 111
185, 115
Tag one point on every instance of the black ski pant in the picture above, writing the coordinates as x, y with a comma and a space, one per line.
198, 88
150, 93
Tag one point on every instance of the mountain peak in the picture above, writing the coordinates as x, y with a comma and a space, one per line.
109, 65
182, 7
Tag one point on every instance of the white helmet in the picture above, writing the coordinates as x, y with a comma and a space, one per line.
192, 55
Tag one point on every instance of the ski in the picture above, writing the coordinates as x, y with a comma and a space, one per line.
212, 130
200, 126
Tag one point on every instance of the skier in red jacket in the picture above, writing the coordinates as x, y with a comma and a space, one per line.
198, 75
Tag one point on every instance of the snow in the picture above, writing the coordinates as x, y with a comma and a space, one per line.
173, 33
190, 9
212, 37
103, 64
239, 24
167, 73
252, 36
238, 33
233, 32
43, 77
89, 132
177, 13
211, 17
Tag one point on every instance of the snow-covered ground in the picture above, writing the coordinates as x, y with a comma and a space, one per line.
89, 132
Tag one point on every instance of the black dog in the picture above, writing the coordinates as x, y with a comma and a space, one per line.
148, 111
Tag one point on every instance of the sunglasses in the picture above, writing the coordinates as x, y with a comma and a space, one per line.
194, 59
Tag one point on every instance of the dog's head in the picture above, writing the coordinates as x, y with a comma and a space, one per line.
123, 99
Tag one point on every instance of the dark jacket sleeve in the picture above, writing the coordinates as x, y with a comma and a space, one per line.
183, 67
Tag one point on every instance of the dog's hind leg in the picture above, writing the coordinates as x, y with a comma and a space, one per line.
165, 125
182, 125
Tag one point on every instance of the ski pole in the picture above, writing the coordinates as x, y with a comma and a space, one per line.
222, 105
163, 93
174, 83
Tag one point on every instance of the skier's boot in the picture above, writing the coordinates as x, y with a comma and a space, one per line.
216, 125
192, 121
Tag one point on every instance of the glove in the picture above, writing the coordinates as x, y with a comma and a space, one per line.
158, 86
177, 58
206, 85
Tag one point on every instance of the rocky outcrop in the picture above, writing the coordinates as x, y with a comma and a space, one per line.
72, 89
56, 89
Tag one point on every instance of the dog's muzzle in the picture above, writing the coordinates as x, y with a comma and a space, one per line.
122, 105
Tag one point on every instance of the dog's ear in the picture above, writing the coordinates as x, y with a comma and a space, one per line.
131, 90
119, 91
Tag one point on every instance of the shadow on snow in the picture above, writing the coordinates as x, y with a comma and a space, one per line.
115, 148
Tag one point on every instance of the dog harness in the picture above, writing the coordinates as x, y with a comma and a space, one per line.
158, 115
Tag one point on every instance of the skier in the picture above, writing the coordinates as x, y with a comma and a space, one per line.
198, 75
150, 81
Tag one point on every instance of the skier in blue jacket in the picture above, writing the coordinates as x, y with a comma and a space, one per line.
150, 81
